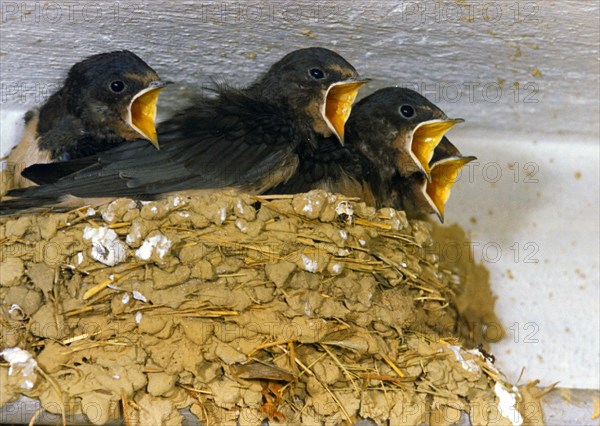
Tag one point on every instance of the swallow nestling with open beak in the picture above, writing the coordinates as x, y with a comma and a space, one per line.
411, 126
105, 100
419, 196
242, 139
395, 155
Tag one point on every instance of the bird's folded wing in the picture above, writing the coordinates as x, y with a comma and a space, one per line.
46, 173
212, 145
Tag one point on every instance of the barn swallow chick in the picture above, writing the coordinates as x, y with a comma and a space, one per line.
105, 100
446, 164
374, 163
419, 196
239, 139
316, 85
412, 124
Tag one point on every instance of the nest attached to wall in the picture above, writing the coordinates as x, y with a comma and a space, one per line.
310, 309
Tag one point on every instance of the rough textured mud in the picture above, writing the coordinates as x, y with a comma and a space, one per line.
307, 309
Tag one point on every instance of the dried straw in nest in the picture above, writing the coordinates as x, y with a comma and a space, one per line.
311, 308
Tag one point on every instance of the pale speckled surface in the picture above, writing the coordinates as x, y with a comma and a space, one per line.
539, 237
448, 49
189, 42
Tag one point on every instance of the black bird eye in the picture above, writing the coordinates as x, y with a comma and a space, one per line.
117, 86
316, 73
407, 111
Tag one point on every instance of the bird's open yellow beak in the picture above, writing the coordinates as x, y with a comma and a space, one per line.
338, 105
425, 138
444, 175
142, 111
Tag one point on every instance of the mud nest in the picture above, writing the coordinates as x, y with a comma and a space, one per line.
308, 309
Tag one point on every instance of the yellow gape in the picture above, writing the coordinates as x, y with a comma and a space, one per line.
338, 105
426, 138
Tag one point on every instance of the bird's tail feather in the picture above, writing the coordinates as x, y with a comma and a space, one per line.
22, 200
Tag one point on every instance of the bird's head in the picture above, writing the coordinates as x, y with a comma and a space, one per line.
315, 84
115, 91
401, 126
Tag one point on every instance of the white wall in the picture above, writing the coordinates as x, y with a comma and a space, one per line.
474, 50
